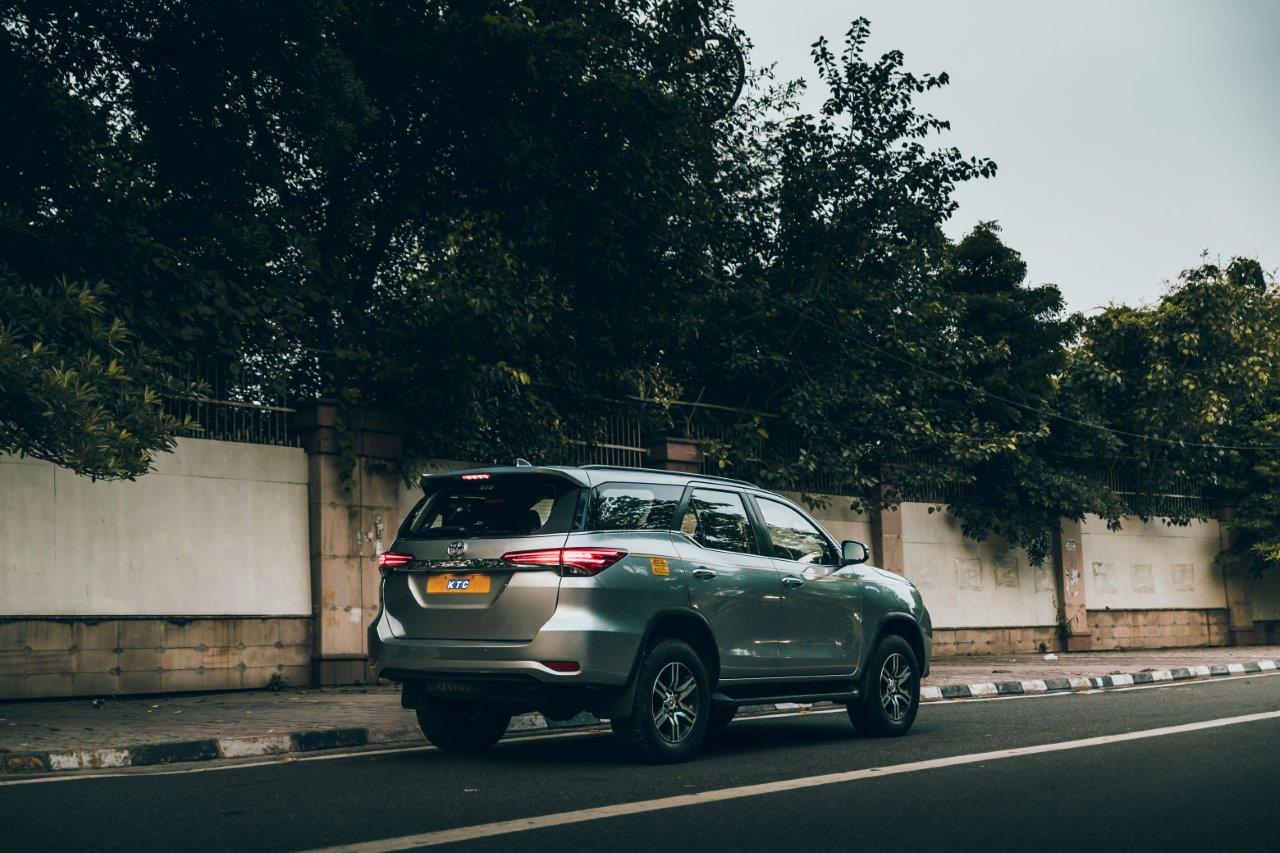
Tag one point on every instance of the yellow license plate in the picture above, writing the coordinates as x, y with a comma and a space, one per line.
458, 583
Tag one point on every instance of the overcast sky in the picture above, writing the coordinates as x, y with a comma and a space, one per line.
1129, 135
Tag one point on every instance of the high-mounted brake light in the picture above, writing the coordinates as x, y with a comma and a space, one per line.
475, 476
389, 561
572, 562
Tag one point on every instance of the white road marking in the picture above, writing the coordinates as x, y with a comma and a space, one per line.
506, 827
294, 758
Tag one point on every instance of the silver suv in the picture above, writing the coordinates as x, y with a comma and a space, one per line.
660, 601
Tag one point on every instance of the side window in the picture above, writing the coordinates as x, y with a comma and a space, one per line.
633, 506
718, 520
793, 536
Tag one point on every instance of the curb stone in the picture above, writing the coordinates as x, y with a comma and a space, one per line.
1095, 682
206, 749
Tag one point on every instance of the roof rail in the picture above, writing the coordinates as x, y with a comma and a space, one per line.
671, 473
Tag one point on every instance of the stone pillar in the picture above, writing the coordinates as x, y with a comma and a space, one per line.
350, 519
886, 535
676, 454
1073, 611
1235, 579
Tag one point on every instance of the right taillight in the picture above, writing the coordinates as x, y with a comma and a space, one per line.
572, 562
389, 561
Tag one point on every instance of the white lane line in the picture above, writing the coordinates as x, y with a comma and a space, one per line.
506, 827
212, 767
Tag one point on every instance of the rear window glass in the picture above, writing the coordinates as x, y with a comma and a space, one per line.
633, 506
511, 506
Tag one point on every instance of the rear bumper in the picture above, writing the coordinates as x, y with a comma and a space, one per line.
605, 653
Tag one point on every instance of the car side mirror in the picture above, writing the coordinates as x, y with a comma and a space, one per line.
852, 553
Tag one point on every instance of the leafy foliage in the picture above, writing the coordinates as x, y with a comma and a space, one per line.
75, 388
497, 218
1192, 387
487, 212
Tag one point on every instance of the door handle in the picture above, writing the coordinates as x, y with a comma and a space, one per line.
704, 574
792, 580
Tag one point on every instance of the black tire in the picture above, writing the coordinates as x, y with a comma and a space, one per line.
892, 695
641, 733
462, 726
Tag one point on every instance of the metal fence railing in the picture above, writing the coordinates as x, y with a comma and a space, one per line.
237, 406
229, 407
615, 440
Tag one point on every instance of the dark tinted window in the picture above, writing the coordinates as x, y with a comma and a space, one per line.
718, 520
633, 506
503, 506
793, 536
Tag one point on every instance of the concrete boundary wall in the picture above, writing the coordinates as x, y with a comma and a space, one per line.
217, 528
1152, 565
77, 657
231, 565
971, 584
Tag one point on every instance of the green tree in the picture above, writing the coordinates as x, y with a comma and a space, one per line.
1191, 387
884, 350
75, 388
1020, 334
476, 213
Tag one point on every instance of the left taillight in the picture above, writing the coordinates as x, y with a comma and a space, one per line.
389, 561
572, 562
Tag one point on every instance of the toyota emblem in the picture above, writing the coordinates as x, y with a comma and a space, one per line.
457, 549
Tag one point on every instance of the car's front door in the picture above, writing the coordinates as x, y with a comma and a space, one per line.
735, 587
821, 628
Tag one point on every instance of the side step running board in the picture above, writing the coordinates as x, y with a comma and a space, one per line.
722, 698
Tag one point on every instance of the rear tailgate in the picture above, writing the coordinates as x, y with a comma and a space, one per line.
458, 587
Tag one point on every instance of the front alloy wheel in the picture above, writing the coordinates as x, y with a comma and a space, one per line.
892, 690
895, 687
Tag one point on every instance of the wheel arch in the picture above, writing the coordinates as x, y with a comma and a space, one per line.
689, 627
675, 623
904, 626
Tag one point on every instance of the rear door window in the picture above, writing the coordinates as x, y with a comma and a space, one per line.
633, 506
716, 519
502, 507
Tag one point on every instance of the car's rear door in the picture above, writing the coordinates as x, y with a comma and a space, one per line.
458, 587
735, 587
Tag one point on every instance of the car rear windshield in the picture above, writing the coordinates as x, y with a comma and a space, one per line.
522, 505
633, 506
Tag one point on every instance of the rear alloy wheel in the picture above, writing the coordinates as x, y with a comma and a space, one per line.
668, 718
462, 726
893, 691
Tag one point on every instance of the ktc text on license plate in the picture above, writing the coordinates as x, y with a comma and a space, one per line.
458, 583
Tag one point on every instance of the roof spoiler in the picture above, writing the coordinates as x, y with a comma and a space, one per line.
520, 470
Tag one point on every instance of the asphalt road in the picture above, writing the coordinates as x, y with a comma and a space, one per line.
1205, 784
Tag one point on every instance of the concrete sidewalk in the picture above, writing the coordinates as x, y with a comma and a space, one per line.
72, 734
